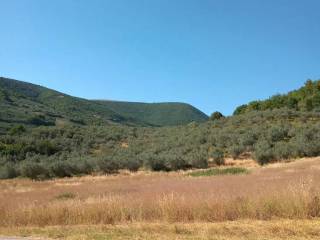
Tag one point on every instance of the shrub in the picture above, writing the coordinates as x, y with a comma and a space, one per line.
62, 169
278, 133
46, 147
179, 163
157, 163
307, 142
218, 157
39, 120
16, 130
236, 150
216, 116
84, 166
8, 171
263, 152
248, 139
198, 159
283, 150
240, 110
132, 165
108, 165
33, 170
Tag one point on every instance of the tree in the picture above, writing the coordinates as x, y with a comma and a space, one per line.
240, 110
309, 86
216, 116
263, 152
16, 130
309, 104
292, 103
218, 157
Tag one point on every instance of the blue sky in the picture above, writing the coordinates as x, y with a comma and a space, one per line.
214, 54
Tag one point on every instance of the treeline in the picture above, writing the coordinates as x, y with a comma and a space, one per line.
49, 151
307, 98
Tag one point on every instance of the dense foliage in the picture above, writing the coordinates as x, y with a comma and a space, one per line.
33, 105
46, 152
61, 150
157, 114
307, 98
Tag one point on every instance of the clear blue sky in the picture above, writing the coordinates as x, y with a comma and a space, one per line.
214, 54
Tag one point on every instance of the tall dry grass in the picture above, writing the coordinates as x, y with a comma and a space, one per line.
285, 192
168, 208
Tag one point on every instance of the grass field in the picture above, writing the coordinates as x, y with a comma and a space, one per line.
235, 230
219, 171
273, 202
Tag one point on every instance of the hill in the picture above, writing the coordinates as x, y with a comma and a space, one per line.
30, 104
307, 98
157, 114
275, 134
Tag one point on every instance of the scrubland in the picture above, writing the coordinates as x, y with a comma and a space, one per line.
264, 200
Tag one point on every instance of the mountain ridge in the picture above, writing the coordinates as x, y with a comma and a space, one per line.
32, 104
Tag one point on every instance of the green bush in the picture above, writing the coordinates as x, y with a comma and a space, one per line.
216, 116
40, 120
35, 171
132, 165
47, 148
263, 152
178, 163
8, 171
17, 130
62, 169
198, 159
157, 163
249, 138
236, 150
283, 150
84, 166
278, 133
108, 165
218, 157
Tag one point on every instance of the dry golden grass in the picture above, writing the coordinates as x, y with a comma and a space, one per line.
280, 191
236, 230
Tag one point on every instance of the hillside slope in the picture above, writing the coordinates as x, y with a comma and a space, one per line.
30, 104
25, 103
158, 114
46, 152
306, 98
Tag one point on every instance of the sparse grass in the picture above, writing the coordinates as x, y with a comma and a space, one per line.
219, 171
235, 230
65, 196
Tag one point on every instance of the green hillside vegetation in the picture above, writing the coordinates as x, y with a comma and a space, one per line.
33, 105
307, 98
268, 136
73, 149
157, 114
29, 104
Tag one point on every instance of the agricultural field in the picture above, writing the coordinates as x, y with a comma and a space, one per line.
241, 200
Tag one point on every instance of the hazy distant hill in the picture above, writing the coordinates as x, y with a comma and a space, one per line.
306, 98
30, 104
159, 114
